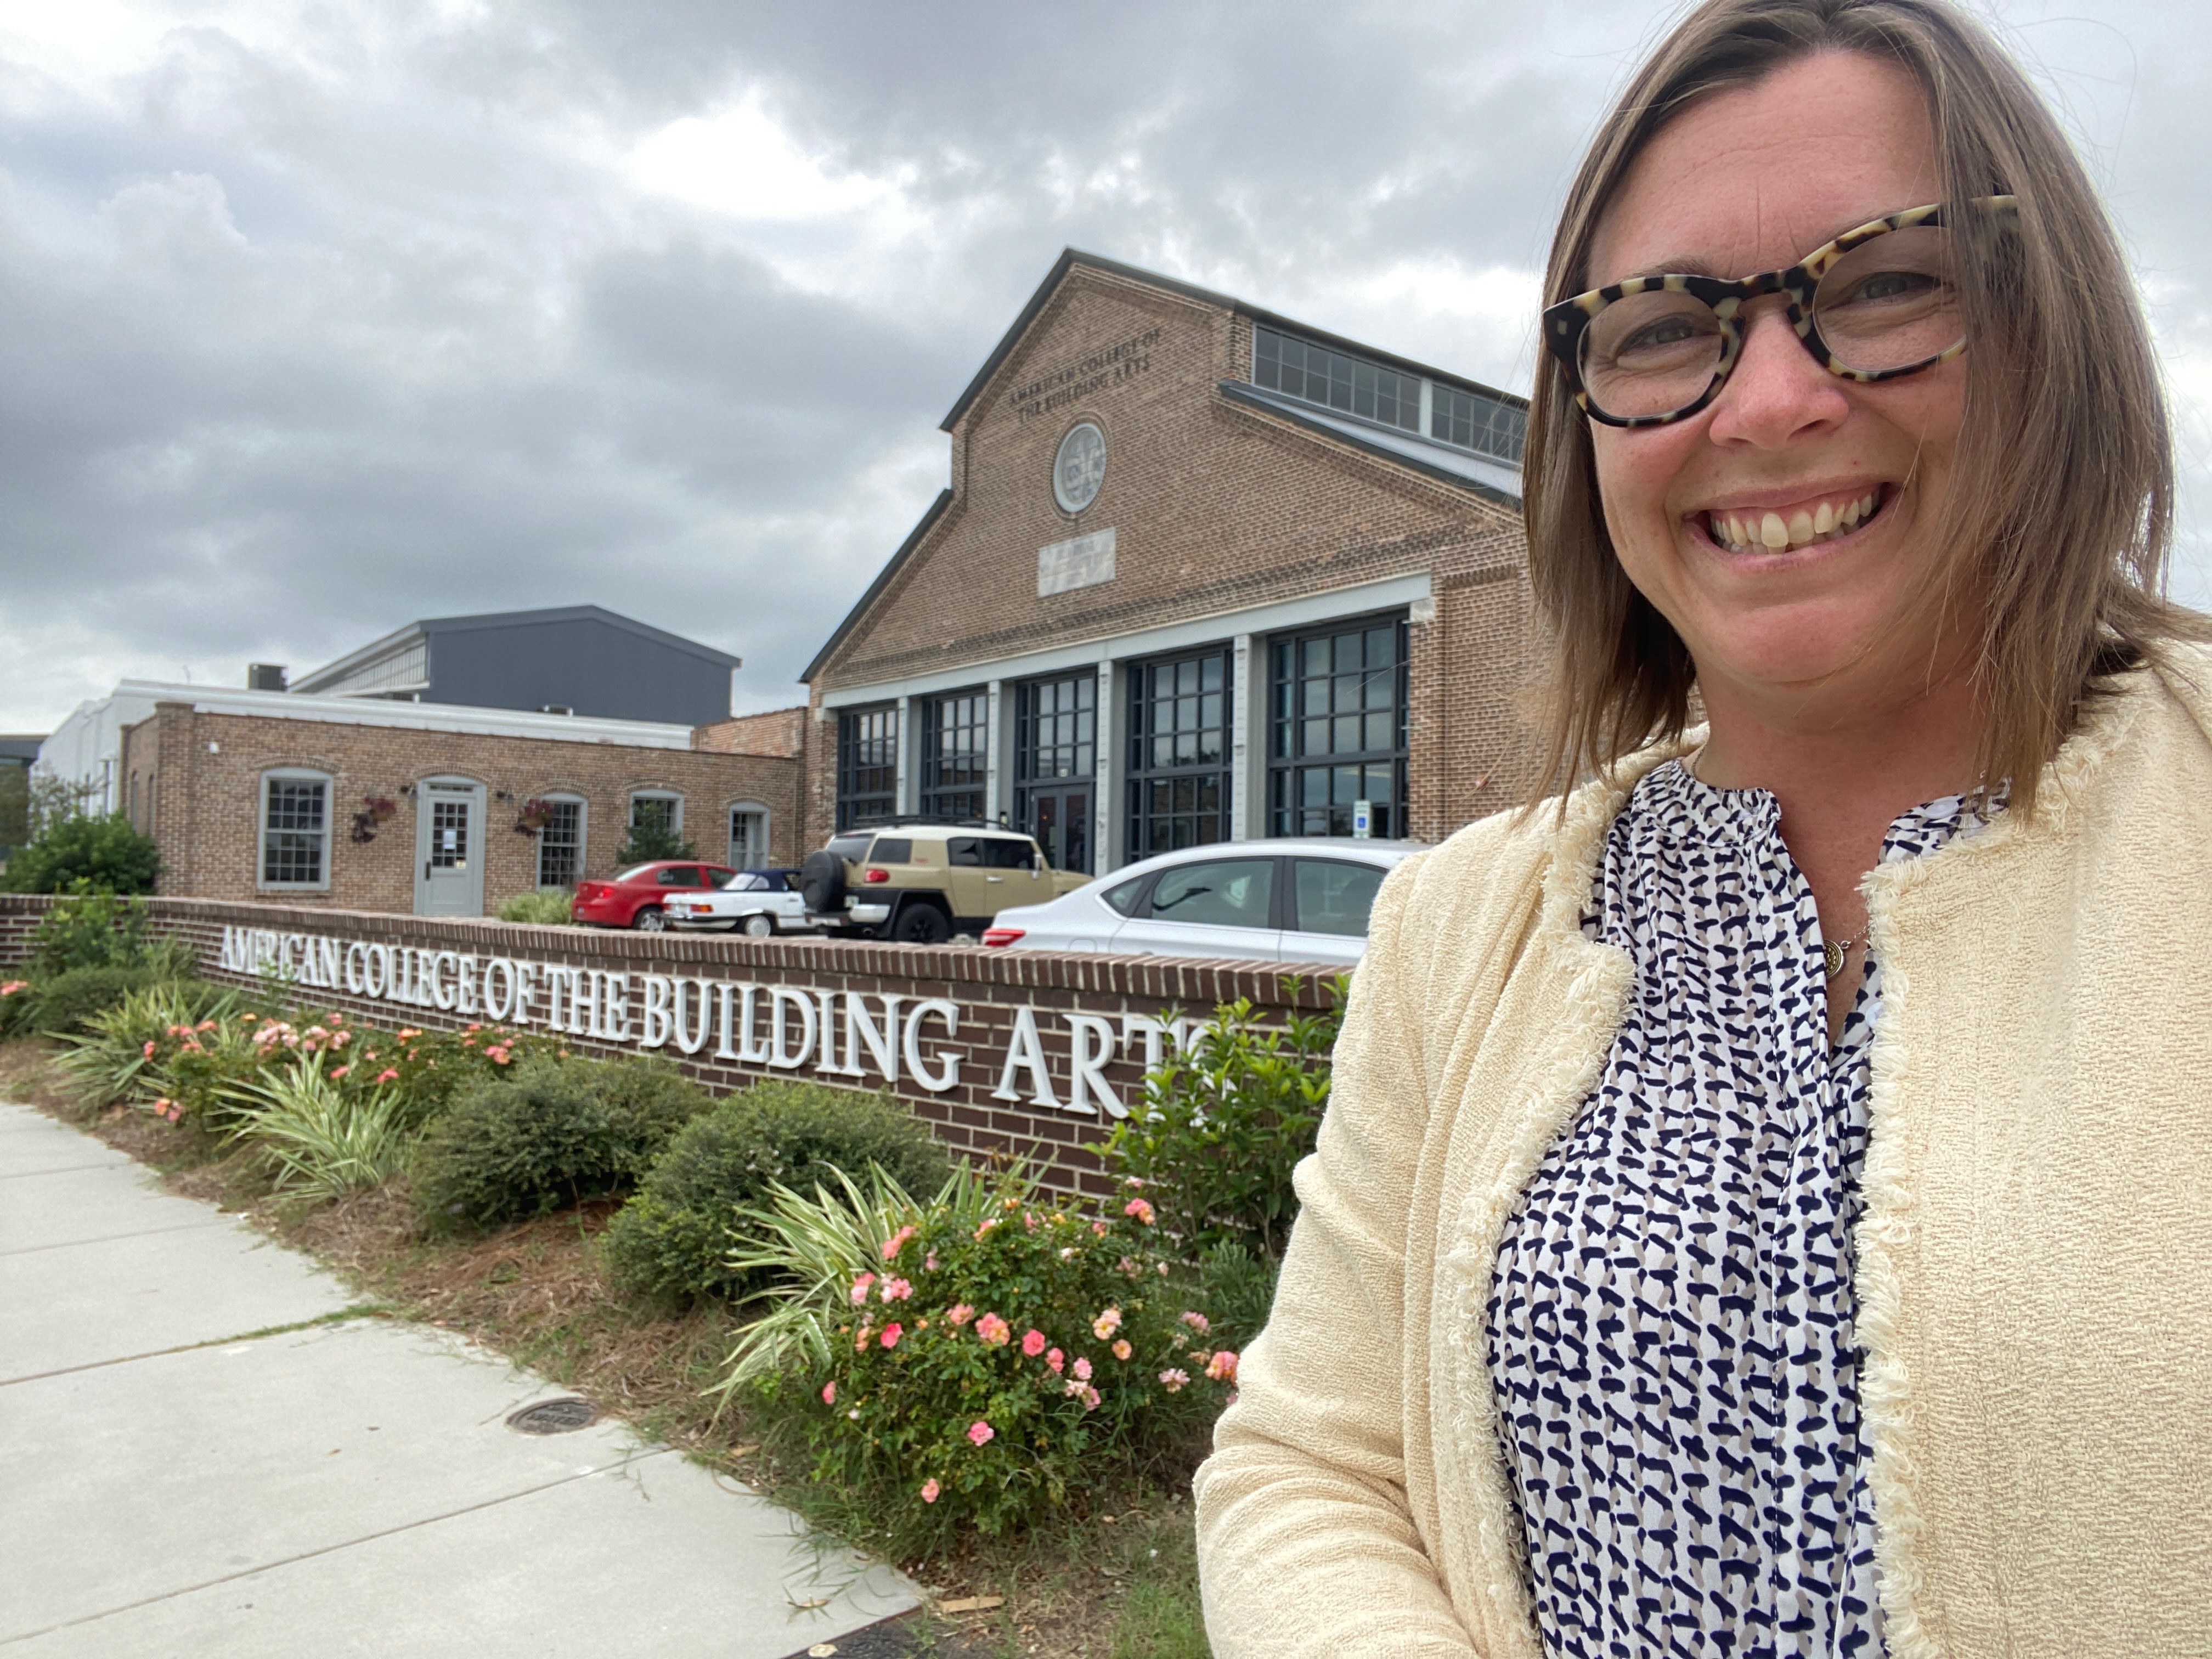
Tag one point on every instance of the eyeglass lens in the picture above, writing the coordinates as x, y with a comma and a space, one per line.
1890, 303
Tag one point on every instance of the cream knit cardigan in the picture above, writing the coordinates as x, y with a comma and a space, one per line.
2035, 1272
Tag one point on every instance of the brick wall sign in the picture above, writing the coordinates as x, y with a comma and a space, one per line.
1030, 1053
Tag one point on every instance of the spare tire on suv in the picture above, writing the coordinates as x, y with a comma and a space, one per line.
822, 883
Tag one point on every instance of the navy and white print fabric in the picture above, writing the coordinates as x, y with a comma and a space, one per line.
1671, 1322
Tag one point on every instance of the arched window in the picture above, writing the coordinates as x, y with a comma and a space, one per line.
749, 828
296, 827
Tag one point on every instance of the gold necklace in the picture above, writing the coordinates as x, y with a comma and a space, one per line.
1833, 951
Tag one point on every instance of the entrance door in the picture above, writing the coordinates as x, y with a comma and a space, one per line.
748, 835
449, 818
1059, 815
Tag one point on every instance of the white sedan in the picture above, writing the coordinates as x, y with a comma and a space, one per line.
1291, 900
760, 903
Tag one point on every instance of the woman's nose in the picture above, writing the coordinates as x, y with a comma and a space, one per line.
1777, 391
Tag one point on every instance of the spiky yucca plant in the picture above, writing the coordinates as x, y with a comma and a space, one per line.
319, 1140
813, 1248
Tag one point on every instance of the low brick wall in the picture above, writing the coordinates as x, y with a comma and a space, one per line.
997, 1051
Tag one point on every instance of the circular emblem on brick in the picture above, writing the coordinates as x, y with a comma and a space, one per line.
1079, 468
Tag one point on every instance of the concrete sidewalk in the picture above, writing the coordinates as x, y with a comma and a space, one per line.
202, 1453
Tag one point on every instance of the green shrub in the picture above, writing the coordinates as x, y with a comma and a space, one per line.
976, 1374
69, 1001
673, 1241
546, 908
550, 1132
102, 851
650, 840
1224, 1123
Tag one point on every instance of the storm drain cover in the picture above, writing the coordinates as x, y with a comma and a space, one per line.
555, 1417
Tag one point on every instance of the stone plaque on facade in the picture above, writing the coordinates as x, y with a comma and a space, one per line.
1082, 562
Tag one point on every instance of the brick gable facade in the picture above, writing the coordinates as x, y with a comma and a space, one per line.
1229, 511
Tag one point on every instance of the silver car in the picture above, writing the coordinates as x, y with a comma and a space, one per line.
1289, 900
762, 902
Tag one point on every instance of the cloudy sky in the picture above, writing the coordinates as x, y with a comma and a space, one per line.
318, 317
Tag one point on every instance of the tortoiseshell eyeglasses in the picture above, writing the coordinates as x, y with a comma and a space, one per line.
1878, 302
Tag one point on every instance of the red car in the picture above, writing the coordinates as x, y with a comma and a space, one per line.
635, 898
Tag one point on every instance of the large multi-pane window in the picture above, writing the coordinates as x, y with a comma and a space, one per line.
1179, 752
955, 730
561, 842
1284, 362
1056, 764
1338, 738
295, 829
867, 765
1472, 422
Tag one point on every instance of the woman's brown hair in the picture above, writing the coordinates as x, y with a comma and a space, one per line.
2060, 507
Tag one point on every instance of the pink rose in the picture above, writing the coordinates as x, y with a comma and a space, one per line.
930, 1489
387, 1075
1174, 1380
980, 1433
1122, 1350
859, 1292
1221, 1368
1140, 1208
1090, 1400
1106, 1324
1033, 1342
929, 1262
1198, 1322
892, 1332
958, 1314
896, 1290
829, 1393
896, 1243
993, 1330
149, 1049
1055, 1358
1081, 1371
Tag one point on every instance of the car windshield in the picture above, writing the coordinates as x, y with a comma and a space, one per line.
635, 871
745, 882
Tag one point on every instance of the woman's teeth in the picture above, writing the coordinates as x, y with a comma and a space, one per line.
1770, 532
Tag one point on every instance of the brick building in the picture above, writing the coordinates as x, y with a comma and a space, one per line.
1202, 573
359, 804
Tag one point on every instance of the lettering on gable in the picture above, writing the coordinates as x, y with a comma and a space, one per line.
1071, 382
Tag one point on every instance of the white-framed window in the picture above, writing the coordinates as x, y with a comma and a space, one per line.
296, 827
661, 808
561, 842
747, 835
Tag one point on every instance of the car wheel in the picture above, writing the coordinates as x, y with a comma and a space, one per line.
649, 919
759, 924
921, 924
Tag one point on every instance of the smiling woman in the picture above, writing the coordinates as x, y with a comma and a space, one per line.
1761, 1206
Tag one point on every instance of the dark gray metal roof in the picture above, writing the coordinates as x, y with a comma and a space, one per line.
431, 625
20, 746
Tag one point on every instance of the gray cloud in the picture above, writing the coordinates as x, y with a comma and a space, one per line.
320, 324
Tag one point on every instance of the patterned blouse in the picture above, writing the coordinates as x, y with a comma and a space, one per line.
1672, 1317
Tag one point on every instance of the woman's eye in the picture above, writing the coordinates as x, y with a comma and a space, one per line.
1887, 287
1658, 336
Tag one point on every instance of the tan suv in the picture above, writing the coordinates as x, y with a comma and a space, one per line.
920, 881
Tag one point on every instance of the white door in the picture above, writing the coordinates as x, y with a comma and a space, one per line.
747, 838
449, 820
1210, 908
